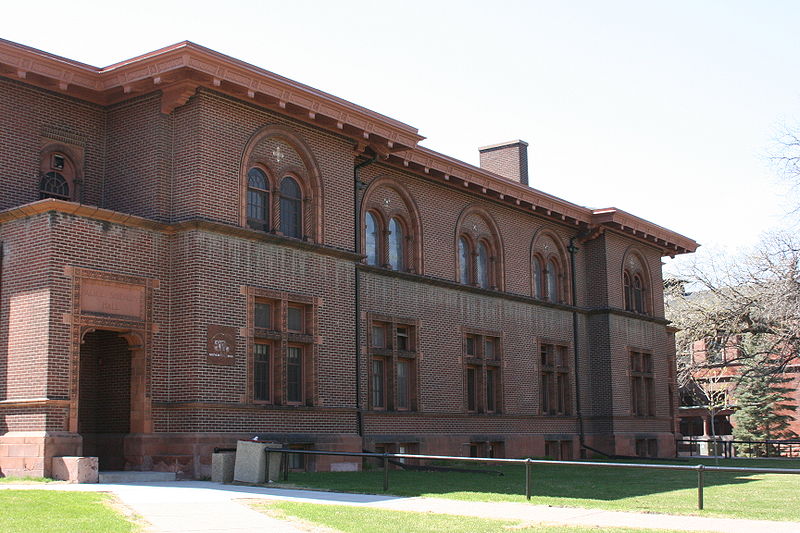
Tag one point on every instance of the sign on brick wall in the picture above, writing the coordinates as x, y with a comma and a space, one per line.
221, 347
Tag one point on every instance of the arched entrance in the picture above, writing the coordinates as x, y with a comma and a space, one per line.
104, 398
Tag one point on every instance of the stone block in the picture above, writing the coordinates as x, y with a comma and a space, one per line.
251, 462
222, 466
75, 469
344, 466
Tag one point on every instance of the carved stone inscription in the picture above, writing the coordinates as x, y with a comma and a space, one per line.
221, 345
110, 298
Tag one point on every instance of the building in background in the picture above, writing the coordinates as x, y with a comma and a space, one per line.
196, 250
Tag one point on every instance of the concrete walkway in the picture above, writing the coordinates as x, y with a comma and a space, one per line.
203, 506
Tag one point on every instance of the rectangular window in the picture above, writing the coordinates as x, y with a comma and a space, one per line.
263, 315
489, 348
556, 392
393, 373
282, 346
378, 383
402, 338
472, 389
642, 384
471, 348
294, 319
482, 371
490, 390
559, 450
261, 371
379, 336
294, 374
403, 384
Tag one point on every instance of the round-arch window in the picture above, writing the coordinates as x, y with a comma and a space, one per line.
464, 261
371, 239
54, 185
291, 208
396, 251
257, 199
482, 266
552, 281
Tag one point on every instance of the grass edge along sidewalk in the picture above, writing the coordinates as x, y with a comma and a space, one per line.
729, 494
54, 511
351, 519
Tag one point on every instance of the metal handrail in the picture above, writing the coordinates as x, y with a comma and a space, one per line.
700, 469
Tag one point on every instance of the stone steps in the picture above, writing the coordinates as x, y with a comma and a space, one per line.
132, 476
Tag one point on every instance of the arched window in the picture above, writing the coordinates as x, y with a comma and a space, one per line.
635, 283
54, 185
371, 239
538, 278
627, 290
58, 177
257, 199
552, 281
291, 207
396, 247
464, 261
638, 294
482, 266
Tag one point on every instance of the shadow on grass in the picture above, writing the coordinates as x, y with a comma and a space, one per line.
548, 481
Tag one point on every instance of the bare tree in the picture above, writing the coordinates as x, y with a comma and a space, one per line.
739, 310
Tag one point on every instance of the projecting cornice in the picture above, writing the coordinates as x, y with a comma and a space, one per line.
179, 69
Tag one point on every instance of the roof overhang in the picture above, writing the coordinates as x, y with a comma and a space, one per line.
178, 70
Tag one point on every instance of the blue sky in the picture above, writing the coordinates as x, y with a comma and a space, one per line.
663, 109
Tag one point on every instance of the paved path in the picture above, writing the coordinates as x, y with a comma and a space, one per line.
203, 506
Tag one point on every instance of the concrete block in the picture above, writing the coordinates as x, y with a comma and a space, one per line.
344, 466
75, 469
251, 462
222, 466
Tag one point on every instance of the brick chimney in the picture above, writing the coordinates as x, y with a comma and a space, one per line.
509, 159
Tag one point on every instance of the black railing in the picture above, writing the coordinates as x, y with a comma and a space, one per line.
386, 457
738, 448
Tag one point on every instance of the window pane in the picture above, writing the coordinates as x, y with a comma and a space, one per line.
256, 179
638, 297
263, 315
54, 185
626, 282
291, 220
294, 375
482, 266
294, 318
378, 337
378, 381
403, 384
464, 261
490, 389
470, 345
471, 391
261, 379
371, 239
537, 278
546, 392
402, 338
552, 282
488, 349
396, 239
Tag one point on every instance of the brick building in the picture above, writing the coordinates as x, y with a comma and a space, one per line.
192, 245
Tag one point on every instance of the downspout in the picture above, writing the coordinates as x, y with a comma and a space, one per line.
572, 249
358, 185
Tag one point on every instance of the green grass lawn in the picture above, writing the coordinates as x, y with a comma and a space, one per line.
24, 480
370, 520
759, 496
37, 511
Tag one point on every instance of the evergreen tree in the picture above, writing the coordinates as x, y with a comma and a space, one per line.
763, 408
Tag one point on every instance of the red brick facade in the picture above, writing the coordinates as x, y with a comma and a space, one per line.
217, 308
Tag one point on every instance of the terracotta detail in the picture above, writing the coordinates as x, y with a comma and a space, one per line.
176, 95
